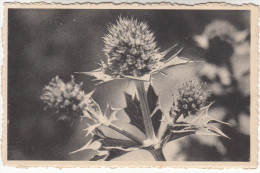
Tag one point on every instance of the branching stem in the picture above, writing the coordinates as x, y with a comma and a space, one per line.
145, 110
157, 154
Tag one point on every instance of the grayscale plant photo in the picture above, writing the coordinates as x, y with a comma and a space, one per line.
128, 85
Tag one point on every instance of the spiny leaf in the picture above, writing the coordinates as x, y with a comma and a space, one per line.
171, 62
99, 75
116, 147
156, 113
152, 98
133, 111
111, 112
91, 128
175, 132
180, 134
211, 130
167, 51
156, 121
171, 54
98, 134
202, 118
111, 142
135, 99
174, 61
89, 95
201, 124
91, 145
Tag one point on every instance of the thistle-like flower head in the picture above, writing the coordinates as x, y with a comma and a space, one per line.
192, 97
68, 99
189, 114
131, 48
132, 52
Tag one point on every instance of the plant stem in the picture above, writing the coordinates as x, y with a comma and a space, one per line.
157, 154
127, 134
145, 110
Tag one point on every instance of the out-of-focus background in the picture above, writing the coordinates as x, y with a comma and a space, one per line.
46, 43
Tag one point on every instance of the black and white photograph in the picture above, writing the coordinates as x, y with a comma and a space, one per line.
131, 84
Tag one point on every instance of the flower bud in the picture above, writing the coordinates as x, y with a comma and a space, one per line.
192, 97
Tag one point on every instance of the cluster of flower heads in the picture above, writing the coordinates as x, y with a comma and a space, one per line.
192, 97
68, 99
130, 48
132, 53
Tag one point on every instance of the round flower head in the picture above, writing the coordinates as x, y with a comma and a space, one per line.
192, 97
130, 48
68, 99
132, 53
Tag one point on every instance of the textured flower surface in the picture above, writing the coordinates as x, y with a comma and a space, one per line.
192, 97
130, 48
132, 52
68, 99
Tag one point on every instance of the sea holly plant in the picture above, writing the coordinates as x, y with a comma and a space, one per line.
133, 54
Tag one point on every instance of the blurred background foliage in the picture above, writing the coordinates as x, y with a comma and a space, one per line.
46, 43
